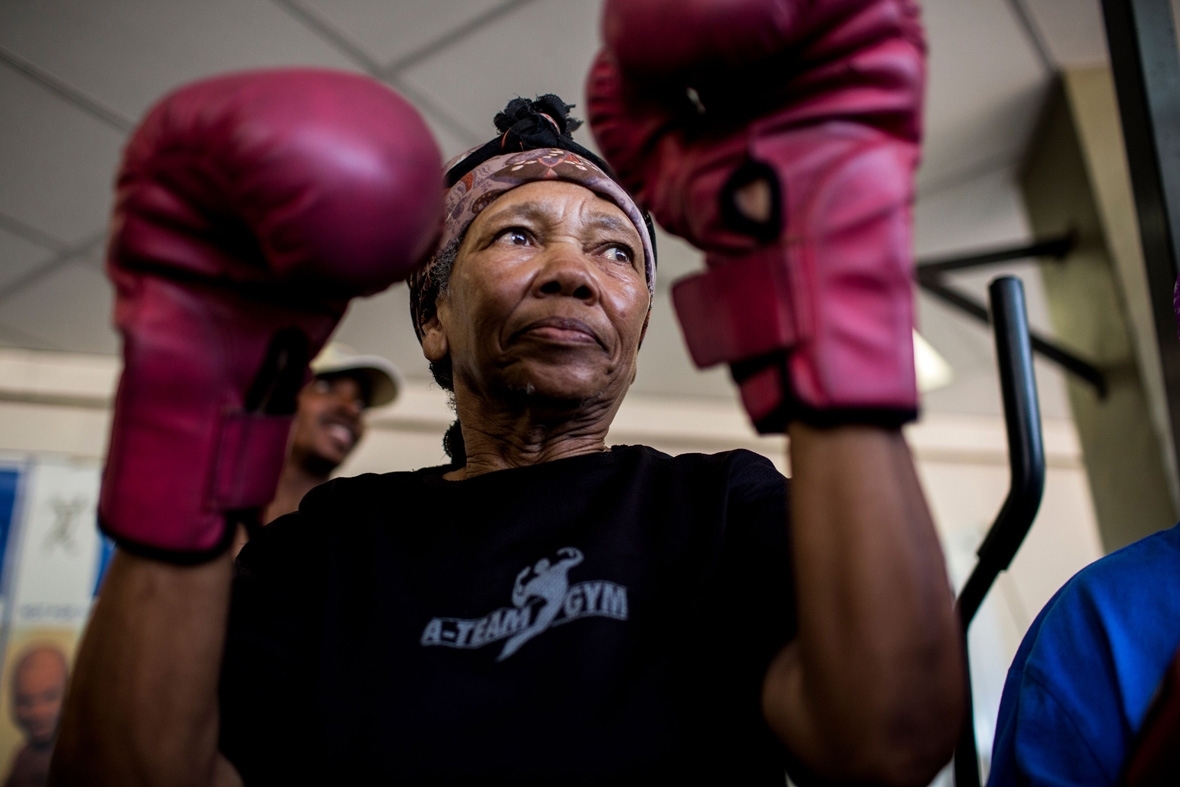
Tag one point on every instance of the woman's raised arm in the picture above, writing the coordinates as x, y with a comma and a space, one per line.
142, 706
873, 687
242, 227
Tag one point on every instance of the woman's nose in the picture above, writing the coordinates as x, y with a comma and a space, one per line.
566, 273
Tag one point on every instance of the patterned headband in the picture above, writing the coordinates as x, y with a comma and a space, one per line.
478, 188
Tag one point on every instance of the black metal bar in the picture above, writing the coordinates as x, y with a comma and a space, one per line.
1026, 453
1042, 346
1053, 247
1146, 68
1026, 459
966, 751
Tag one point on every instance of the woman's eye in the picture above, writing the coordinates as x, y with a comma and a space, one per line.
515, 236
620, 253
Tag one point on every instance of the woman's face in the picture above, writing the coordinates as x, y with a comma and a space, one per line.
548, 299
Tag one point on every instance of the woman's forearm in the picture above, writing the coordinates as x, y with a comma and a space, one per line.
142, 706
873, 687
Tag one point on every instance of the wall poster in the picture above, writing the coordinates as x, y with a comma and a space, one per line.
51, 560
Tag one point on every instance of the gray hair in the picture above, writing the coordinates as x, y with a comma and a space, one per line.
442, 265
429, 289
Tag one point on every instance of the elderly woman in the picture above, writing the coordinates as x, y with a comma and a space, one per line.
547, 608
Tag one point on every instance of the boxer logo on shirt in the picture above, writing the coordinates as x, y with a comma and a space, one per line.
542, 597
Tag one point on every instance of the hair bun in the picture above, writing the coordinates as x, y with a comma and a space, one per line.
542, 123
527, 119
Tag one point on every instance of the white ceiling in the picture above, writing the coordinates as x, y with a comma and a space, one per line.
76, 74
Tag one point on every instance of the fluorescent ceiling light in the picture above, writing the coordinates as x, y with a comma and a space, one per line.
933, 370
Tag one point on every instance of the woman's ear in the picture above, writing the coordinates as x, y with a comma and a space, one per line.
434, 340
642, 336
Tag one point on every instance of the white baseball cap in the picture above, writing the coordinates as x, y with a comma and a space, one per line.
385, 381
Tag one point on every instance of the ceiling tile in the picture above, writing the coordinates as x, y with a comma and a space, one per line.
985, 90
451, 140
981, 215
1072, 30
986, 83
18, 257
545, 47
94, 255
127, 53
985, 211
58, 162
389, 32
68, 309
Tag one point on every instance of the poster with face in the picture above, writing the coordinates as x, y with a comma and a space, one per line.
52, 558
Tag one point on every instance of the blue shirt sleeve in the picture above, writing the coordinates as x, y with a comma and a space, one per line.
1085, 673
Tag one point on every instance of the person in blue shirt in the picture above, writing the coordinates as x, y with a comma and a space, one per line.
1088, 669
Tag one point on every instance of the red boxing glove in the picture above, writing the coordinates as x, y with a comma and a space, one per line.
250, 208
821, 101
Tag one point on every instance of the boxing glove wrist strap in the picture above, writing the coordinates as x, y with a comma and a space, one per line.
738, 310
748, 312
251, 449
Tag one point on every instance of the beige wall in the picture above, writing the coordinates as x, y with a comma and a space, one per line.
1076, 180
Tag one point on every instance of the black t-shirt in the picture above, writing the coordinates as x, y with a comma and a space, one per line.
600, 619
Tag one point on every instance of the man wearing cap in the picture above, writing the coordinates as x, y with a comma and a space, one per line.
330, 420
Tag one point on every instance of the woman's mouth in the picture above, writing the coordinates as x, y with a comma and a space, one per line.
560, 330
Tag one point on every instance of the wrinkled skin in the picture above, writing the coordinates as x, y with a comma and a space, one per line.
542, 320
